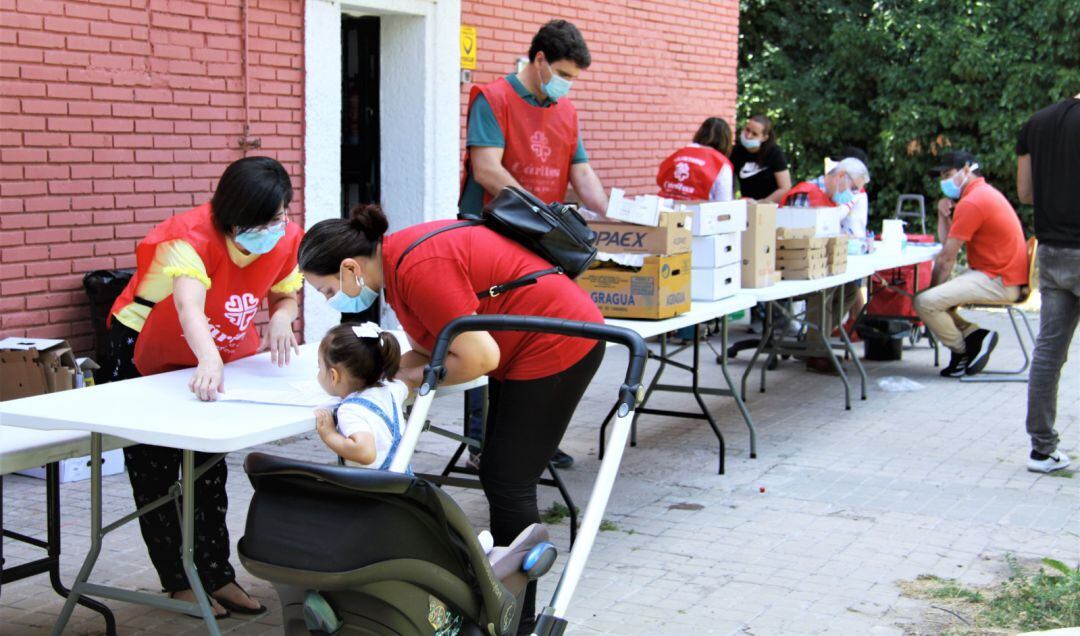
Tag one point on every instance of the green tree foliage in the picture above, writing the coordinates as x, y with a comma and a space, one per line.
906, 80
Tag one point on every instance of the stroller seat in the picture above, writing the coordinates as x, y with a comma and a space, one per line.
383, 553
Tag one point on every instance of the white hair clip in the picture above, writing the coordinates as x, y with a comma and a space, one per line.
367, 330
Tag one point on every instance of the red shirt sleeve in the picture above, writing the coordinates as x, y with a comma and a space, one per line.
434, 292
967, 219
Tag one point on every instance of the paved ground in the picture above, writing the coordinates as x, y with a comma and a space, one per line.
811, 537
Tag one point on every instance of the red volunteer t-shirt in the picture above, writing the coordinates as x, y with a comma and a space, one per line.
986, 221
438, 281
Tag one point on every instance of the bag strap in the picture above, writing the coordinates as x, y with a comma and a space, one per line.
445, 228
528, 279
494, 290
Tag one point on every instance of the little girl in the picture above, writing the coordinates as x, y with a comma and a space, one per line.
357, 363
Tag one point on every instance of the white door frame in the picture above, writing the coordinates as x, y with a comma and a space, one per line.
418, 109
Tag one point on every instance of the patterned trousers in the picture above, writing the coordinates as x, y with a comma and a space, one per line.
153, 470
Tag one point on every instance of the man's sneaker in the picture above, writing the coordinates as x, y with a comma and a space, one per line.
957, 365
561, 459
979, 345
1040, 463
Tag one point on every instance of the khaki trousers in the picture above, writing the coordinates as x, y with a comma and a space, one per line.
937, 306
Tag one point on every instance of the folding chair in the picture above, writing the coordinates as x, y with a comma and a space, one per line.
1016, 315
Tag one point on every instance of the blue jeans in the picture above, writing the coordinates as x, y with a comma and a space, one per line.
474, 407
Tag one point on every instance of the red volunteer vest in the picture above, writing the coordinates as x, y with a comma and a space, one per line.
817, 196
540, 142
232, 301
690, 173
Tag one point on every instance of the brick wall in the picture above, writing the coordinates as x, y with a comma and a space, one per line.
659, 69
115, 114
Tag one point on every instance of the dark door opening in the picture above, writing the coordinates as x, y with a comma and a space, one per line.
360, 123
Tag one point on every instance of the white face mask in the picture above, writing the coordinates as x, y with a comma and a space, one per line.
749, 144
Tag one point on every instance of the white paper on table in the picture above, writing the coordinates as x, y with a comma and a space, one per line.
280, 397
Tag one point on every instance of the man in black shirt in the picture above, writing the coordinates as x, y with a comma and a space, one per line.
1048, 175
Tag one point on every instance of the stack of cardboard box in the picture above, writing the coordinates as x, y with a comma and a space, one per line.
644, 267
759, 246
800, 255
717, 249
837, 251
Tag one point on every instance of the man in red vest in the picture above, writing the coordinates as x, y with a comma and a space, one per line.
523, 131
837, 187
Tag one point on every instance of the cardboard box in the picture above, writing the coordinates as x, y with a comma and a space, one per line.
823, 221
670, 236
658, 289
759, 246
814, 243
794, 233
717, 250
716, 217
78, 468
32, 366
642, 210
808, 273
798, 259
716, 283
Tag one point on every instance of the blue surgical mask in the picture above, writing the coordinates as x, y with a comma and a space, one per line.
843, 197
749, 144
950, 189
347, 304
557, 87
262, 240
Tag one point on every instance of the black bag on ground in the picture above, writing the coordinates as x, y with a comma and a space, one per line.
103, 287
883, 338
553, 231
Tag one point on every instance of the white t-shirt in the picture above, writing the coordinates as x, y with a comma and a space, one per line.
353, 418
854, 224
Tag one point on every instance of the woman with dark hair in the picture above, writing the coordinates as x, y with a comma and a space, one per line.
700, 171
760, 165
201, 278
535, 380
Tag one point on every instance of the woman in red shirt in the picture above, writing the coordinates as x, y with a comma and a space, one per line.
535, 380
200, 280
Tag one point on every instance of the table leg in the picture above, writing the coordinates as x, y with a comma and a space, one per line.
826, 344
695, 388
95, 536
731, 387
766, 337
188, 551
847, 340
652, 387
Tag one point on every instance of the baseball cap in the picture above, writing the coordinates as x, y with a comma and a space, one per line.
954, 160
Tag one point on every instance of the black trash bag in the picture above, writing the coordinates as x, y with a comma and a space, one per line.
883, 338
103, 287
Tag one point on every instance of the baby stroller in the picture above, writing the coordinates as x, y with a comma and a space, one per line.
357, 551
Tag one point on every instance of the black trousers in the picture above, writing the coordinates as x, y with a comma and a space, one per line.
526, 422
153, 470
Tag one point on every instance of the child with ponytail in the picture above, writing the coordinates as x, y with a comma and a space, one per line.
357, 363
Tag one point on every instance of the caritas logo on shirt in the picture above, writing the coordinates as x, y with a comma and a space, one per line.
538, 143
240, 310
682, 171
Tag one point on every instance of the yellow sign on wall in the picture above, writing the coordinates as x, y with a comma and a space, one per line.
468, 47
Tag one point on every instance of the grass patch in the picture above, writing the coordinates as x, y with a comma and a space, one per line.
1031, 598
1061, 474
608, 526
555, 513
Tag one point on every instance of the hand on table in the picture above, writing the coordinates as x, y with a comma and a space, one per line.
208, 380
281, 340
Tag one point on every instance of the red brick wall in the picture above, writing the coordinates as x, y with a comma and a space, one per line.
659, 69
115, 114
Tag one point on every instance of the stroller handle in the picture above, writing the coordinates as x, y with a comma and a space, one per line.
628, 392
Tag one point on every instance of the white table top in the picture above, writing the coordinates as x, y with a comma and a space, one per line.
159, 409
859, 267
22, 448
700, 312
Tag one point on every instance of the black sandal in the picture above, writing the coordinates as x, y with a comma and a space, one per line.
217, 617
240, 609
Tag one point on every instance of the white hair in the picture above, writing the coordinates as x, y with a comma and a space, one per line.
853, 168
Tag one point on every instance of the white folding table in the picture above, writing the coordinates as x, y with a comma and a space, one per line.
21, 449
700, 313
160, 410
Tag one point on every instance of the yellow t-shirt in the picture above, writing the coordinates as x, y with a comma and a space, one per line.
177, 258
